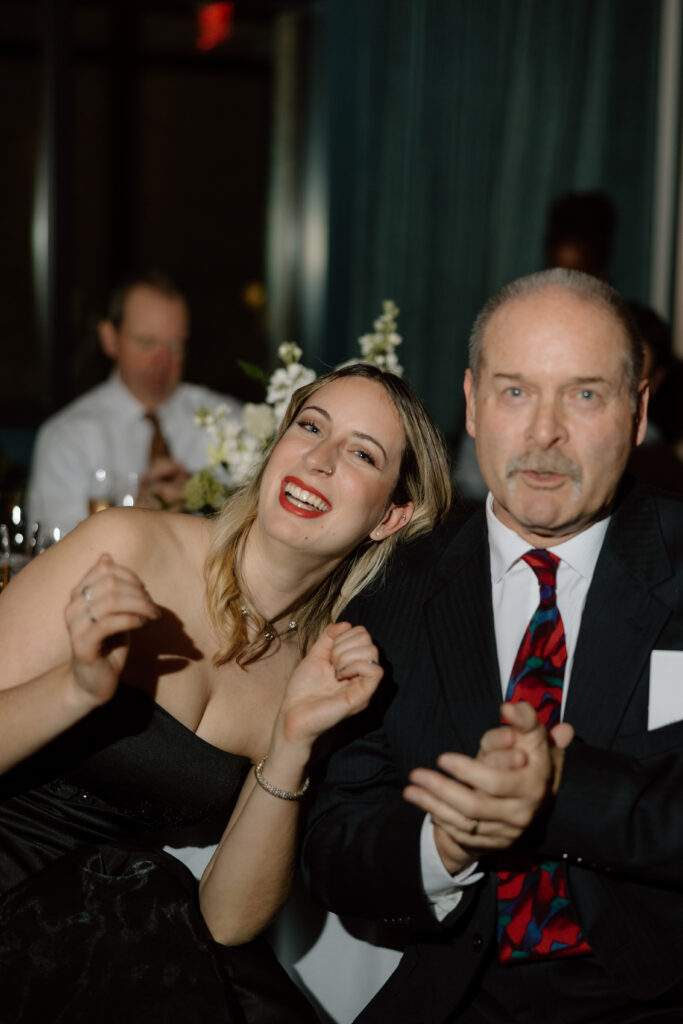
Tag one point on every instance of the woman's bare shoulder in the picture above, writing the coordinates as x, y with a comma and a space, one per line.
158, 546
155, 545
137, 537
166, 551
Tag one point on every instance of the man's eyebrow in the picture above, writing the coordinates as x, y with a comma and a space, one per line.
595, 379
152, 336
355, 433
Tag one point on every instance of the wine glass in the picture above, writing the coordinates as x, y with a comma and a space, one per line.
126, 490
20, 538
15, 545
46, 534
4, 557
100, 493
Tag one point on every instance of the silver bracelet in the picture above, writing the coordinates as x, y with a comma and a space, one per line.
281, 794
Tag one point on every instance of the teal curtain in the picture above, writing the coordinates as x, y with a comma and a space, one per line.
449, 126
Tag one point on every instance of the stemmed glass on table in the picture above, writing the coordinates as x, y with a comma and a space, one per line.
17, 542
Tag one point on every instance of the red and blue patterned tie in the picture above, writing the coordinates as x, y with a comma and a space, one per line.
535, 917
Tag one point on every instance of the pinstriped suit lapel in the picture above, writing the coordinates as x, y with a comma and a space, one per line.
621, 621
459, 623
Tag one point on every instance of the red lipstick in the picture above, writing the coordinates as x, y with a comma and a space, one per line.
302, 500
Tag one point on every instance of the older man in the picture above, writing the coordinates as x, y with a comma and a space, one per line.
138, 427
540, 876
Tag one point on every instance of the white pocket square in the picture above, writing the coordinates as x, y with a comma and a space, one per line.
666, 688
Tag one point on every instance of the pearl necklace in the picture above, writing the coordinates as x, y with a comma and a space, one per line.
268, 634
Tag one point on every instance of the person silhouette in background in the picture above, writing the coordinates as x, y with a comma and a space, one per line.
659, 459
580, 231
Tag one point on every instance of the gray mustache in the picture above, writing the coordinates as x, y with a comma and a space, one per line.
544, 462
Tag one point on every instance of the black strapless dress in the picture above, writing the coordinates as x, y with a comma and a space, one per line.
97, 923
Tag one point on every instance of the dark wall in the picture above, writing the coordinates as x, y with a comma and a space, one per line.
163, 162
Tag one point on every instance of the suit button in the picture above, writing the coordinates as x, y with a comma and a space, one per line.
477, 942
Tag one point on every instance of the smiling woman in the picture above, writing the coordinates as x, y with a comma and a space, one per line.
131, 709
335, 441
420, 478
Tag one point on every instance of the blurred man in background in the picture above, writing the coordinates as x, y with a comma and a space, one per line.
132, 438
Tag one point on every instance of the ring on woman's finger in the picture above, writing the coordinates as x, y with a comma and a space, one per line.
87, 597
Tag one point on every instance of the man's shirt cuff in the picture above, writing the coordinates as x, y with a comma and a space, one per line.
443, 890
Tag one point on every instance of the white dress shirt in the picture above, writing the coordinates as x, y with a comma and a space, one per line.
515, 595
106, 429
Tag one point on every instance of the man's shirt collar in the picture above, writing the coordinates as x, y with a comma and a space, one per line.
129, 404
507, 547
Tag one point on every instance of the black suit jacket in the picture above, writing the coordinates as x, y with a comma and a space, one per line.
618, 818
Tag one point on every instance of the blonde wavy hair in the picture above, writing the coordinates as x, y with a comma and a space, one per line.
423, 478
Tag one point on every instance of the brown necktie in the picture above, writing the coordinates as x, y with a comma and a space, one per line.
158, 446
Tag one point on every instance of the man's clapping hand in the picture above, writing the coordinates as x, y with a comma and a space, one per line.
483, 804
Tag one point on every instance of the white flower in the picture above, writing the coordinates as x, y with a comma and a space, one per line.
389, 362
217, 454
243, 455
366, 343
284, 383
203, 417
378, 348
259, 420
289, 352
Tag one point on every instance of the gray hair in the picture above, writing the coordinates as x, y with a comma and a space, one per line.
583, 285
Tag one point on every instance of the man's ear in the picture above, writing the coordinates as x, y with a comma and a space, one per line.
470, 399
640, 420
109, 339
396, 518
